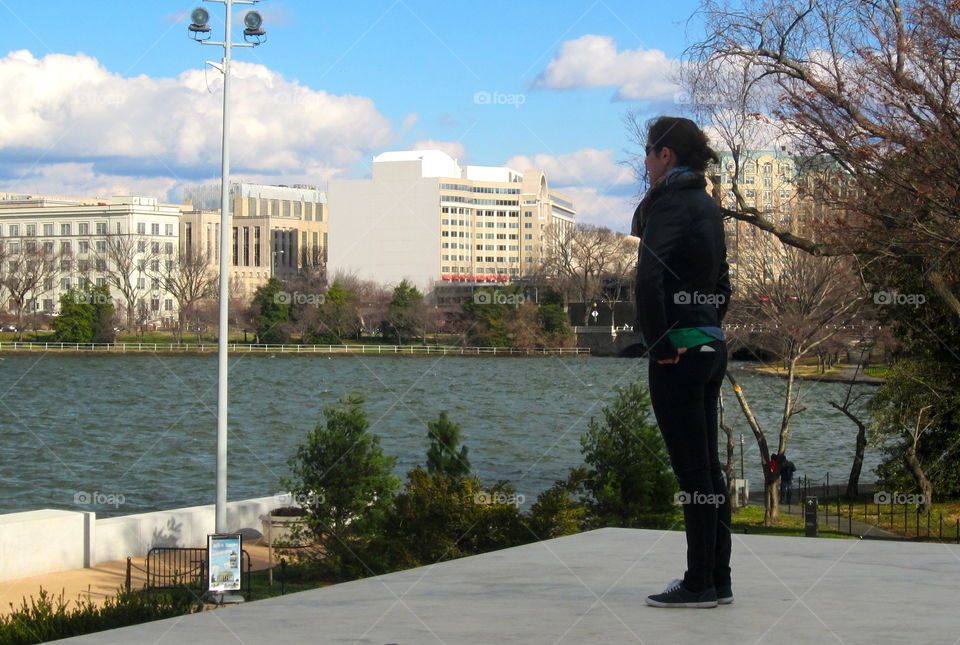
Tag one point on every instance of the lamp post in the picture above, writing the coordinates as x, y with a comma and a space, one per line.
253, 35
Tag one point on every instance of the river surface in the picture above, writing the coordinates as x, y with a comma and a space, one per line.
129, 434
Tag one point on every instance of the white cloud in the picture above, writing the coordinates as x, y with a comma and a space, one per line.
80, 180
615, 211
587, 166
602, 190
71, 109
453, 148
593, 61
409, 121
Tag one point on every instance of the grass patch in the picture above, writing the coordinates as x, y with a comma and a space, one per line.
878, 371
749, 520
911, 525
297, 579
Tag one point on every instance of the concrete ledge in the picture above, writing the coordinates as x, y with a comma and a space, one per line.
37, 542
590, 588
135, 535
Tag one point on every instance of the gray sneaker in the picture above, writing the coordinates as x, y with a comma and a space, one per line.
725, 595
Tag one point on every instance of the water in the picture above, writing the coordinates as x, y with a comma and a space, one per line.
129, 434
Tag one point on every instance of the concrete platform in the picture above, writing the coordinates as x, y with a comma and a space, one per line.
589, 588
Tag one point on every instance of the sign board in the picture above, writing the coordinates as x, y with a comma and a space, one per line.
223, 562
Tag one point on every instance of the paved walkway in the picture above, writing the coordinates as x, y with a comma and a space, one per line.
97, 583
590, 588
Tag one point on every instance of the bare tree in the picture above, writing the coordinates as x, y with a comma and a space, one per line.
586, 259
30, 273
866, 94
188, 278
124, 261
800, 303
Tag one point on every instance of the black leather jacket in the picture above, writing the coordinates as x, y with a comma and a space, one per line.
682, 273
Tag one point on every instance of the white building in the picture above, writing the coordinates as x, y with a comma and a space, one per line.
424, 218
73, 235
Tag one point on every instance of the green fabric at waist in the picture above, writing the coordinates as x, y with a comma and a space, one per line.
689, 337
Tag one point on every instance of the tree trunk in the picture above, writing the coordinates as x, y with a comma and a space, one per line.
926, 488
769, 479
731, 467
853, 482
772, 499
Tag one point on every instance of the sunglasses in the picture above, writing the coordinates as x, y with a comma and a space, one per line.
649, 149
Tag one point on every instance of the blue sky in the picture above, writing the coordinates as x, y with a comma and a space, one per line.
111, 97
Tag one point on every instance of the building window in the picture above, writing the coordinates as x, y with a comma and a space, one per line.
168, 304
155, 304
142, 246
14, 230
155, 247
101, 228
169, 229
256, 246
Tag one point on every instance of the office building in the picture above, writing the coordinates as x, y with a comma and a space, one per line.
425, 218
277, 231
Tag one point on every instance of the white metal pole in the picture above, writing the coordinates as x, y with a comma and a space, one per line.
226, 248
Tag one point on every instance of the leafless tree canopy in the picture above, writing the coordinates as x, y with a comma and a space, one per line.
866, 88
586, 259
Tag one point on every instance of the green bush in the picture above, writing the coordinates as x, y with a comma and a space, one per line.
48, 618
438, 517
628, 479
345, 483
558, 511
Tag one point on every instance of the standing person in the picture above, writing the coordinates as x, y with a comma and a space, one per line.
683, 291
786, 479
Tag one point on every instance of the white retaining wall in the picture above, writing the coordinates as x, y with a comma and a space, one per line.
37, 542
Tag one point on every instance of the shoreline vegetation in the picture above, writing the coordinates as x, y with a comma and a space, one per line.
840, 373
302, 350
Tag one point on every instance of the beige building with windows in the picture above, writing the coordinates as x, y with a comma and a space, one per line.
72, 235
797, 194
425, 218
277, 230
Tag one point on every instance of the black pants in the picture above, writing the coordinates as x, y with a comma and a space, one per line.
684, 397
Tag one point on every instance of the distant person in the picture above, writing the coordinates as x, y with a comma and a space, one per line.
786, 479
683, 291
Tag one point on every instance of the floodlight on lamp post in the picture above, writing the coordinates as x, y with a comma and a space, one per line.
254, 35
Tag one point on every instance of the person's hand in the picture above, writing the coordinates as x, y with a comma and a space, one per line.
675, 359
